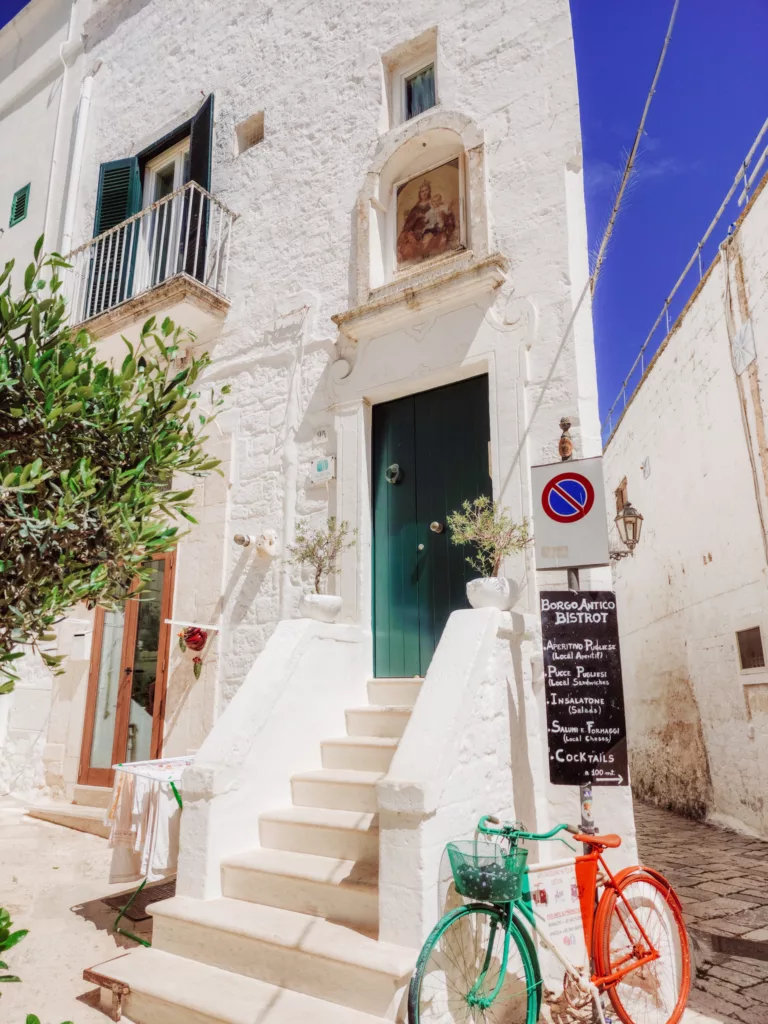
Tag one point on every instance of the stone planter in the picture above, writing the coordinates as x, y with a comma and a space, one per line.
322, 607
492, 592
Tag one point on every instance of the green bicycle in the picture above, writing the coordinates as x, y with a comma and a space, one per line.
480, 964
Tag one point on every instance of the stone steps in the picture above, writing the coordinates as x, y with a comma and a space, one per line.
383, 721
400, 692
92, 796
336, 788
293, 937
168, 989
348, 835
293, 951
81, 818
338, 890
358, 753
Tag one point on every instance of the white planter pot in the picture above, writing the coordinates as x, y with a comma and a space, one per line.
323, 607
492, 592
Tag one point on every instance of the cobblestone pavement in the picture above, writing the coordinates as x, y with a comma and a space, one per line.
722, 880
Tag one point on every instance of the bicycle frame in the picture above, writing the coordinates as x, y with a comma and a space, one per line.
586, 876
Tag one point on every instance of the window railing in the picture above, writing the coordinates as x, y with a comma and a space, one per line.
187, 232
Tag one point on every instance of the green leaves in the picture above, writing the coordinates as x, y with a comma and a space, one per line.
488, 527
320, 549
89, 451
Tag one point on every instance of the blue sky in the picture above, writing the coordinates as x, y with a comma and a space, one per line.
710, 104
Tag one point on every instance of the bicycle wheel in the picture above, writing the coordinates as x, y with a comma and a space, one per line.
655, 993
460, 967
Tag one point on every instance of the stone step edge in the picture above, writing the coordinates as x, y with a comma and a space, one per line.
157, 976
289, 865
203, 914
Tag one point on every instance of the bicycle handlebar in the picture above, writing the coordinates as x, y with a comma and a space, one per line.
510, 831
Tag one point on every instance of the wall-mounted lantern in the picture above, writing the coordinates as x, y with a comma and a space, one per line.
629, 523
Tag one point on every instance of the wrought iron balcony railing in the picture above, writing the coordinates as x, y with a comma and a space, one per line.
185, 233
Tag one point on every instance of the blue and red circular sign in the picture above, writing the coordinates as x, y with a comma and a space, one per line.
567, 498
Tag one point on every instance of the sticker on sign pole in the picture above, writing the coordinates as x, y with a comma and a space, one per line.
568, 497
570, 523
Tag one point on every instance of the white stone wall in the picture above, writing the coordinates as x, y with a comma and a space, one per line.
30, 89
506, 73
698, 725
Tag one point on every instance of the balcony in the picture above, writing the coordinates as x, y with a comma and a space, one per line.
171, 259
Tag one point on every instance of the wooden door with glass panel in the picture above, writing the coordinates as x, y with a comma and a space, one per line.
126, 685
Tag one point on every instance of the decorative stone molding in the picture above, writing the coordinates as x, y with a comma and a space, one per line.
404, 151
454, 280
181, 289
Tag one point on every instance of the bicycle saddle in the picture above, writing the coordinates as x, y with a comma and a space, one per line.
610, 840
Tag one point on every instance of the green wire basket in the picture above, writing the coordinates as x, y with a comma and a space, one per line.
487, 871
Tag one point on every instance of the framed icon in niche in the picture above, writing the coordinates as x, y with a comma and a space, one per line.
429, 215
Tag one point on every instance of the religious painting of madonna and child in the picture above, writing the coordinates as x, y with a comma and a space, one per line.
428, 215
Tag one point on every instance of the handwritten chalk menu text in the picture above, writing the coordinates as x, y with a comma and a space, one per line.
586, 731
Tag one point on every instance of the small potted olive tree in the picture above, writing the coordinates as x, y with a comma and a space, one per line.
488, 527
320, 550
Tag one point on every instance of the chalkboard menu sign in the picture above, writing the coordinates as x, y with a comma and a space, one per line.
586, 732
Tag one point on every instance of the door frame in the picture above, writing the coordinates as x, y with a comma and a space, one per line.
88, 776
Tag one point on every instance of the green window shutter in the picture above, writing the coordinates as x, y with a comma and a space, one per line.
201, 144
111, 273
200, 150
19, 205
119, 195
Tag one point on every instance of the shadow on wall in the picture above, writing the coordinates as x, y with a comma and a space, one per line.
668, 758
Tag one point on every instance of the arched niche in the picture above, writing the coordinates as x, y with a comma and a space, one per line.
408, 151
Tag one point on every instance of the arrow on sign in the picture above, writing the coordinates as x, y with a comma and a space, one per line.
611, 778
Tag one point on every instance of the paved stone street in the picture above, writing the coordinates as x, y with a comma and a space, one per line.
722, 879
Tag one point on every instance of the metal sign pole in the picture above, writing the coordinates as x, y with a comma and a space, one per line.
588, 826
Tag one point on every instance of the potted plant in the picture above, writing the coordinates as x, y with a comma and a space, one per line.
489, 528
320, 550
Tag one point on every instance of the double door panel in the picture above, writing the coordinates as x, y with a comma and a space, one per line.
430, 453
126, 685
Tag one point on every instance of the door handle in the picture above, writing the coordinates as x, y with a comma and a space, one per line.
436, 527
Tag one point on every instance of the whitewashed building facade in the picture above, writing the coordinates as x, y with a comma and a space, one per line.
690, 454
373, 218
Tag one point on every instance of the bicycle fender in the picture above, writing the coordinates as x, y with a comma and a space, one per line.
626, 872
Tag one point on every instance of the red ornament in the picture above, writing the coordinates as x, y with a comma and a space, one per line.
193, 637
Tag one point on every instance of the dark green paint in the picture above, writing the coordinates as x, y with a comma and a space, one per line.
439, 439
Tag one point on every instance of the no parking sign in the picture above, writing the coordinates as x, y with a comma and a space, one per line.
569, 518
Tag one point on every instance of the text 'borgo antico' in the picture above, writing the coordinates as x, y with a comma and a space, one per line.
575, 610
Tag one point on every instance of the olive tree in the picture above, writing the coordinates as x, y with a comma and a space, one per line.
89, 452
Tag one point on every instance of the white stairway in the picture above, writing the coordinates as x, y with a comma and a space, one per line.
294, 936
86, 812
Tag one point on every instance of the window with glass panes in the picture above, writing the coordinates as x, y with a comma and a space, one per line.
420, 91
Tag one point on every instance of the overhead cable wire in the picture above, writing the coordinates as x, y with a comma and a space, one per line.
589, 286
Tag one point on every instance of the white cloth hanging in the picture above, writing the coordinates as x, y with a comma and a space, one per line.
144, 818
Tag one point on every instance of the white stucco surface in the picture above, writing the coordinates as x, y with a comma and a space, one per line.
698, 724
319, 330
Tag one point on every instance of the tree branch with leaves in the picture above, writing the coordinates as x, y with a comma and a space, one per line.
487, 526
89, 450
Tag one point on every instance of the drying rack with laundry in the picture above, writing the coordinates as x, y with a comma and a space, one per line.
144, 816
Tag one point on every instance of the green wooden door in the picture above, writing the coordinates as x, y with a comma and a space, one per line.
430, 453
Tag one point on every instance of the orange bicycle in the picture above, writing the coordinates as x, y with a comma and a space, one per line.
480, 962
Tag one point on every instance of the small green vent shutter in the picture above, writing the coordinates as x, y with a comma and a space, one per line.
19, 205
119, 197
